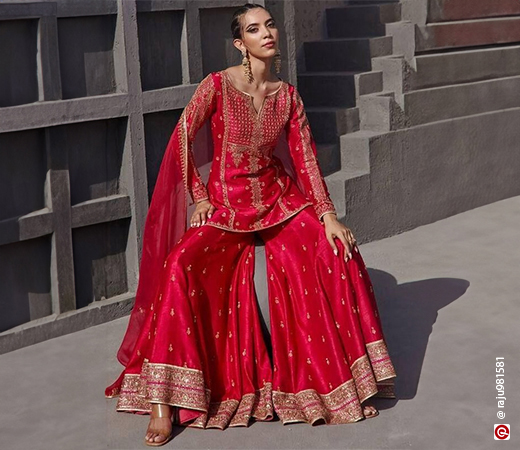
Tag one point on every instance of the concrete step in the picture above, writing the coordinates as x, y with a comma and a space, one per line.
471, 9
342, 184
345, 53
329, 89
368, 82
465, 66
355, 151
361, 20
444, 69
350, 186
328, 123
380, 112
467, 33
448, 102
328, 157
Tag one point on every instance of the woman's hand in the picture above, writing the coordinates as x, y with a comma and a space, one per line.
335, 229
203, 209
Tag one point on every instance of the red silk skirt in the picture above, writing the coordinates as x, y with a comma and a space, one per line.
202, 349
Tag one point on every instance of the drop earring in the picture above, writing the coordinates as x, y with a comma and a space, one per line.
277, 61
246, 64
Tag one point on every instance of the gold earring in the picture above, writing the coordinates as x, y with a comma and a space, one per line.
246, 64
277, 61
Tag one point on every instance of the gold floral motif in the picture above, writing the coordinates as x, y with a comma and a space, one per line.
303, 149
338, 406
196, 112
380, 360
184, 387
363, 377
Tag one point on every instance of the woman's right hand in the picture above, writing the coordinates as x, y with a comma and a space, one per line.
203, 209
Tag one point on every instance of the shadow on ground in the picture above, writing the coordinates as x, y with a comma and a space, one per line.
408, 312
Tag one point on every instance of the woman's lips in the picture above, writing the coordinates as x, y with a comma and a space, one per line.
271, 44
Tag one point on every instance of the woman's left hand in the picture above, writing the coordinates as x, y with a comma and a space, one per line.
335, 229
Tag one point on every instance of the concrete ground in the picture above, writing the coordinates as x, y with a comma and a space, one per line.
449, 299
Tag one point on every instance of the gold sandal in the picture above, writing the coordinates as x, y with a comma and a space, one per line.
162, 412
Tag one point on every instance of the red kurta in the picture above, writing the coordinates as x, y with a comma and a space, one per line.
249, 185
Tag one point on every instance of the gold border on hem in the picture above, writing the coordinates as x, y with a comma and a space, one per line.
174, 385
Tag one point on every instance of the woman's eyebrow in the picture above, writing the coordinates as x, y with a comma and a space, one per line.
268, 20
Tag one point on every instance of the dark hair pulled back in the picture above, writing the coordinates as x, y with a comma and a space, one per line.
236, 25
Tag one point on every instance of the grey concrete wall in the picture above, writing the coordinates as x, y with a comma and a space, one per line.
90, 92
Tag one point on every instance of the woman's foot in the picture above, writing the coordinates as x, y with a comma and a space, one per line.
370, 411
159, 430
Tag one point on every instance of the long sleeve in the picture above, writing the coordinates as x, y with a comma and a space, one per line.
302, 148
200, 107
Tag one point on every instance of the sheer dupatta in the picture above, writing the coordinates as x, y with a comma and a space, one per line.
167, 215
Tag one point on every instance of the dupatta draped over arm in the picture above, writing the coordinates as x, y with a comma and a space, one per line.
166, 219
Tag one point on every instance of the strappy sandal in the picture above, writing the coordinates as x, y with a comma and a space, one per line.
372, 415
162, 412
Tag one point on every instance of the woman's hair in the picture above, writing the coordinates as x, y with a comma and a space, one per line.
236, 25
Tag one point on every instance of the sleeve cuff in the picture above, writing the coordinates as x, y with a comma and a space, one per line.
200, 193
324, 208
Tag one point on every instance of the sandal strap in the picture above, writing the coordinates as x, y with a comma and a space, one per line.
163, 411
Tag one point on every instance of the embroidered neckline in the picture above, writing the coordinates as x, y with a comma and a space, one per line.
251, 97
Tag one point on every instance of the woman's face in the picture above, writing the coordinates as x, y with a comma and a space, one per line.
259, 28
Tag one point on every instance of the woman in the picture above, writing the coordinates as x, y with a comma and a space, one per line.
194, 352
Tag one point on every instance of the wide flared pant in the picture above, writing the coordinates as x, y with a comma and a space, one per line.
202, 350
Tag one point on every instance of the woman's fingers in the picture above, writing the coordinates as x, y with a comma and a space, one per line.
347, 246
195, 219
351, 241
330, 238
